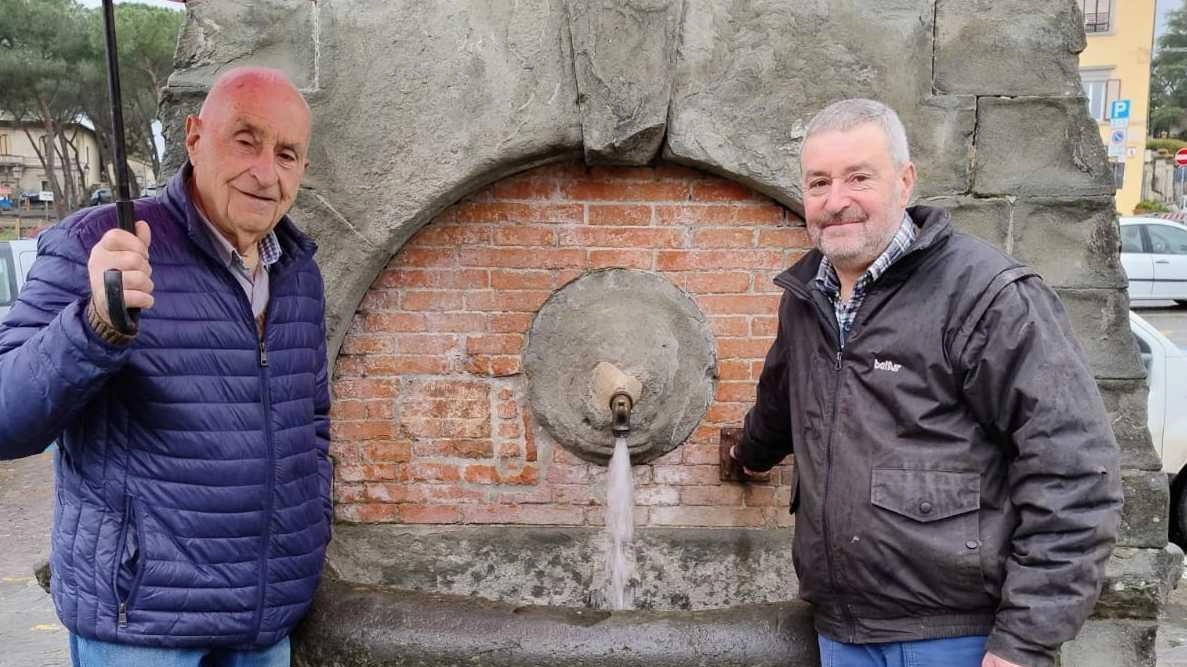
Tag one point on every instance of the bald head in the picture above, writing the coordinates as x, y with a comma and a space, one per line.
249, 147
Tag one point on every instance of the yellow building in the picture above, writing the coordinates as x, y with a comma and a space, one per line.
1116, 66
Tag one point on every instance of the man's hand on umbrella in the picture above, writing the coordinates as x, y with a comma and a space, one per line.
127, 252
992, 660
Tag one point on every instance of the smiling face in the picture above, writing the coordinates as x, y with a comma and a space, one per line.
249, 150
854, 195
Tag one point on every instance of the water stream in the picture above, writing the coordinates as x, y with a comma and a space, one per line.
620, 528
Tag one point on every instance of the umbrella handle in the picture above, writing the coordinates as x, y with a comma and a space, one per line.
125, 320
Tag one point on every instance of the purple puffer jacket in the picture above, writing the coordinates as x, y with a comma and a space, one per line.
193, 476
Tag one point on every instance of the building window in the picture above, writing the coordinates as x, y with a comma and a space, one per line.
1097, 15
1100, 92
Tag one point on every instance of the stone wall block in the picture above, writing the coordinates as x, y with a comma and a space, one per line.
1100, 319
1071, 242
1112, 643
1144, 518
1137, 582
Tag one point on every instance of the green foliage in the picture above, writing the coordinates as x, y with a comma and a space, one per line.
1168, 79
1168, 146
1151, 206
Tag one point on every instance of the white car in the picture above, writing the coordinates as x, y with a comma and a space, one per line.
1154, 254
1166, 374
16, 258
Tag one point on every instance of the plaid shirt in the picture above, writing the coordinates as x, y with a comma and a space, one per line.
827, 281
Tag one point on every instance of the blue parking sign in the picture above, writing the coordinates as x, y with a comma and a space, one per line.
1119, 110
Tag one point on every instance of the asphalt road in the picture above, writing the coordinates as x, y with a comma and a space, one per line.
1170, 318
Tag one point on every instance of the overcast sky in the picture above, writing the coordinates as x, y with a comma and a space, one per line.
1165, 7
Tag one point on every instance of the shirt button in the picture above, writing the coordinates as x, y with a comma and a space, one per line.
972, 544
925, 507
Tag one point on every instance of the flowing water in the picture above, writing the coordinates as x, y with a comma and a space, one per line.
620, 528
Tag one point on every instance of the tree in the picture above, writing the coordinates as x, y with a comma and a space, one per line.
1168, 78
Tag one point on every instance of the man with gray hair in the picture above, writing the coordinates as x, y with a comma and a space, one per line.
958, 487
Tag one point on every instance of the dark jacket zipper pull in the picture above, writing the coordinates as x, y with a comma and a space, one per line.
837, 365
263, 354
123, 615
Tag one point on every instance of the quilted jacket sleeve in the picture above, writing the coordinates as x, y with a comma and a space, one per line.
51, 362
321, 416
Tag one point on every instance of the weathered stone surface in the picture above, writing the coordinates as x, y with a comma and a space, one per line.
1112, 643
273, 33
1125, 401
623, 54
352, 625
678, 569
418, 104
1100, 319
1137, 582
1144, 520
1039, 146
1072, 243
988, 219
983, 48
650, 330
751, 75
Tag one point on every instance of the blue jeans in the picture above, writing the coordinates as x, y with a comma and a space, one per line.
953, 652
91, 653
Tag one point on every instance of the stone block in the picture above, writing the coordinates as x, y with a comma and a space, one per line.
1112, 643
1039, 146
1145, 517
1008, 47
987, 219
1125, 401
624, 54
1138, 581
1100, 319
1071, 242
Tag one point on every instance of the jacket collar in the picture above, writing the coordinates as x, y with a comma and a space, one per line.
176, 198
935, 226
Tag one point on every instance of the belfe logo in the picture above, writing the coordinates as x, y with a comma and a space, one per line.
886, 366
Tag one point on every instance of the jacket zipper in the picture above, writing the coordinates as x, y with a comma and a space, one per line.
265, 378
838, 366
123, 602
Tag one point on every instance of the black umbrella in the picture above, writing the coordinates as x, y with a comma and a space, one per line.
124, 319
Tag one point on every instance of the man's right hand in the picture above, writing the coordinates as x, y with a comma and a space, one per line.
734, 456
127, 252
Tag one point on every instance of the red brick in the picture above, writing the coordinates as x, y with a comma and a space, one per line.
711, 495
359, 343
411, 255
449, 236
523, 258
720, 190
368, 513
758, 496
348, 409
408, 364
429, 514
436, 472
526, 188
561, 473
480, 474
380, 300
496, 211
719, 215
445, 428
508, 409
629, 259
416, 300
657, 495
723, 238
744, 348
468, 390
524, 514
739, 304
348, 493
404, 492
669, 170
365, 389
756, 368
614, 214
735, 325
525, 476
707, 516
350, 367
455, 322
736, 392
684, 475
444, 408
574, 494
608, 173
524, 236
625, 190
516, 495
387, 452
371, 472
501, 279
784, 237
416, 343
715, 282
495, 344
701, 454
463, 449
688, 260
509, 429
434, 279
732, 369
510, 322
764, 326
622, 237
380, 409
727, 413
493, 365
394, 322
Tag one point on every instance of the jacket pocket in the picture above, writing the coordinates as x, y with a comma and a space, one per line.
129, 562
932, 515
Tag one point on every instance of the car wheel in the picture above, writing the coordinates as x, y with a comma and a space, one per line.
1181, 302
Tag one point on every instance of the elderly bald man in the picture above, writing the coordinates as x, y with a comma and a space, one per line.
193, 478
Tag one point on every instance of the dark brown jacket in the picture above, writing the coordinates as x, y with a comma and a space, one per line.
957, 472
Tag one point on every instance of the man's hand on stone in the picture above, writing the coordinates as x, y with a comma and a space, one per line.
127, 252
992, 660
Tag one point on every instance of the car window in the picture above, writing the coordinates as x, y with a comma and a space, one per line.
1167, 240
6, 279
1131, 238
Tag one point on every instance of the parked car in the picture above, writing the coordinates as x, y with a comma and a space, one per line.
1154, 254
1166, 375
16, 258
100, 196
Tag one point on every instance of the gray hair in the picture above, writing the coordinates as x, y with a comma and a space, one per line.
845, 115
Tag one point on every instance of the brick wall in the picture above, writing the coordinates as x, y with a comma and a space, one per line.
430, 420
